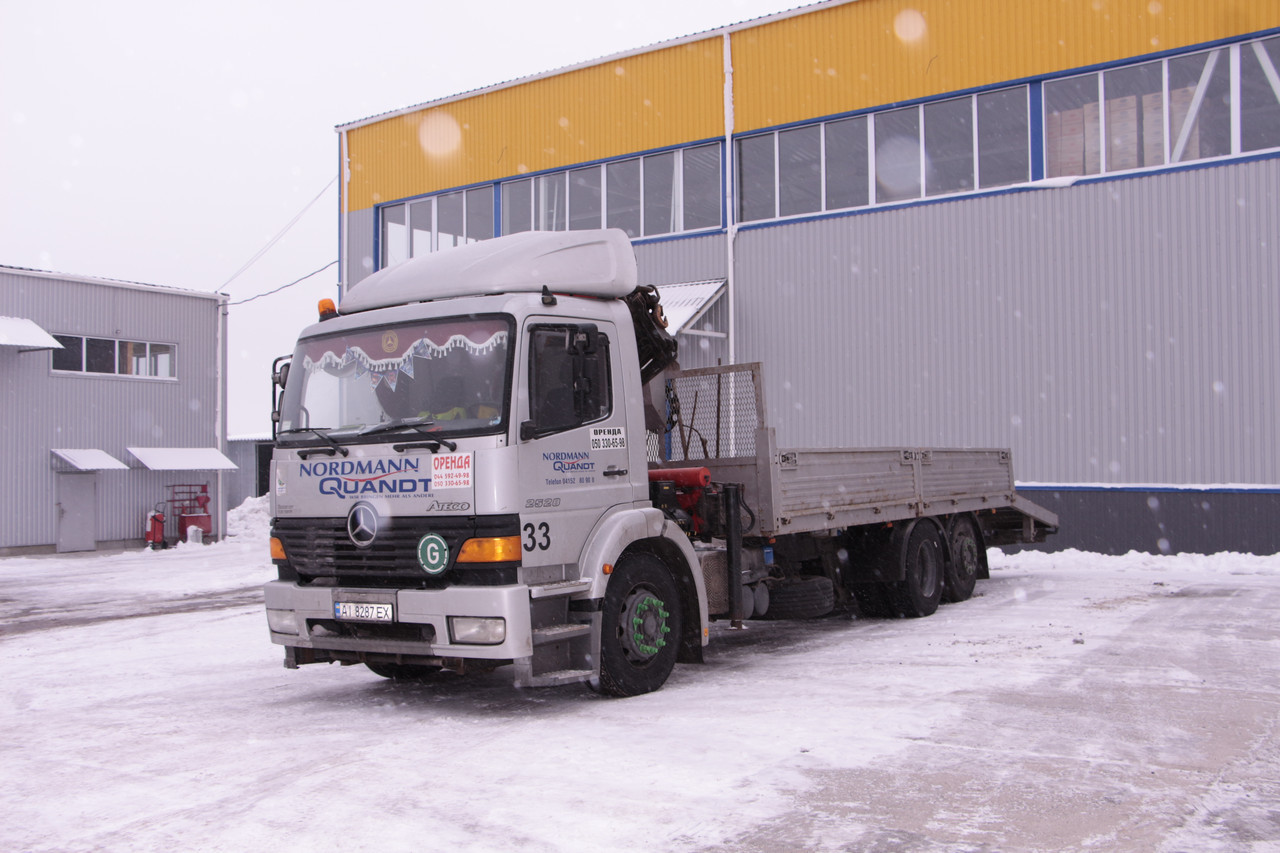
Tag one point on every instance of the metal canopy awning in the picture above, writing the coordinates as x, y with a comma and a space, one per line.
25, 335
88, 459
685, 303
182, 458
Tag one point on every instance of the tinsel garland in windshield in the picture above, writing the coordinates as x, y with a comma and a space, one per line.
358, 363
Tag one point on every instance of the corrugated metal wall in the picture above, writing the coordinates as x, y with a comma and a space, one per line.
692, 259
1115, 332
43, 410
647, 100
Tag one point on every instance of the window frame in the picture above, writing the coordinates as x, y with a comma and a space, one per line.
161, 349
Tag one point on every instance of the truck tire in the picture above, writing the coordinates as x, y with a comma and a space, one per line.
968, 558
919, 592
640, 627
802, 598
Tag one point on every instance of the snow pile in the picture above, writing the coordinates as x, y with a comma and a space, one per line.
250, 520
1224, 563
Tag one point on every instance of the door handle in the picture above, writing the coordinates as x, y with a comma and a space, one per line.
615, 472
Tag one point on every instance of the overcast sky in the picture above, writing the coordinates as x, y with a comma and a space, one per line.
169, 143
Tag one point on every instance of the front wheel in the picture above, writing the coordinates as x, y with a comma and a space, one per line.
640, 627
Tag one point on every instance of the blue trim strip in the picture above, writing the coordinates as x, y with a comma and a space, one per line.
1190, 490
1016, 188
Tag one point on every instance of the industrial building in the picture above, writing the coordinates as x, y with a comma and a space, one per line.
1051, 227
114, 400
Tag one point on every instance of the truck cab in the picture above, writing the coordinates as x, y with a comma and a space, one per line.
460, 475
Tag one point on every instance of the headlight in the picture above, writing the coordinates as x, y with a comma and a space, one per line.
477, 631
282, 621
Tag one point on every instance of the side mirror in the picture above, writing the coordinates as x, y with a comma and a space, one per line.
281, 376
527, 431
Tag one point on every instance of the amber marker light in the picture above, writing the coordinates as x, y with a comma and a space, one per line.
277, 549
608, 568
492, 549
327, 309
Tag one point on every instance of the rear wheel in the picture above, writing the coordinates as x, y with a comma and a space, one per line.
919, 592
640, 627
968, 559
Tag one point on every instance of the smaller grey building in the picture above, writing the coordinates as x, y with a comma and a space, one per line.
114, 401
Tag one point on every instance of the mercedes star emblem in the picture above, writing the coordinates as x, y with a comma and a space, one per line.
362, 525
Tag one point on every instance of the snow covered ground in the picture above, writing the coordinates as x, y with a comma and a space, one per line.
1079, 702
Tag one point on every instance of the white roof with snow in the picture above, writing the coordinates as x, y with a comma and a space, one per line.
89, 459
182, 458
683, 304
586, 263
24, 333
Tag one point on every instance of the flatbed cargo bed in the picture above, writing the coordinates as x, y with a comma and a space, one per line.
718, 423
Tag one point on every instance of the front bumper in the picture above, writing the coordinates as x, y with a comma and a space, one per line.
420, 629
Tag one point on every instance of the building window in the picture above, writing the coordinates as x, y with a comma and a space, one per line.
1260, 95
757, 181
586, 203
1004, 138
1214, 103
663, 193
622, 196
948, 146
897, 154
800, 170
115, 357
845, 159
416, 228
702, 191
952, 146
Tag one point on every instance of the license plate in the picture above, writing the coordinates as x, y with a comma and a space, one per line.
361, 611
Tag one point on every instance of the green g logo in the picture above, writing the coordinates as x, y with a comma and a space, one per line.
433, 553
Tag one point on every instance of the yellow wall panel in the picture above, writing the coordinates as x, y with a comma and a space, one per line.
870, 53
650, 100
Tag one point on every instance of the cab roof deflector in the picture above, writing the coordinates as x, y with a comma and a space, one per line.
597, 263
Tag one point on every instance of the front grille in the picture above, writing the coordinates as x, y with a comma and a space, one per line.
320, 548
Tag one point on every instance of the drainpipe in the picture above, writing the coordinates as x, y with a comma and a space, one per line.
344, 211
220, 420
731, 232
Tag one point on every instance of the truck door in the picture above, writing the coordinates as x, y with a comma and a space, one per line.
574, 454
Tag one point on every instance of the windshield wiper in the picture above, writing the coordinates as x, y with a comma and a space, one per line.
334, 446
432, 444
417, 423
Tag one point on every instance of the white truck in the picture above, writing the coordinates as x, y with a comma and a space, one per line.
473, 469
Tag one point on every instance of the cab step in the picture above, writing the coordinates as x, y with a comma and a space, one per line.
557, 588
557, 633
559, 677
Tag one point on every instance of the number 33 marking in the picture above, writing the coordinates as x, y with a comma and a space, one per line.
539, 538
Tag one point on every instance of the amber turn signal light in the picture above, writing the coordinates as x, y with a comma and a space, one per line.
493, 549
277, 549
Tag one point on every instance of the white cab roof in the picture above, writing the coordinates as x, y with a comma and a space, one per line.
581, 263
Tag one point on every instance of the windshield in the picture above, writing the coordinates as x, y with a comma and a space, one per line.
449, 377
